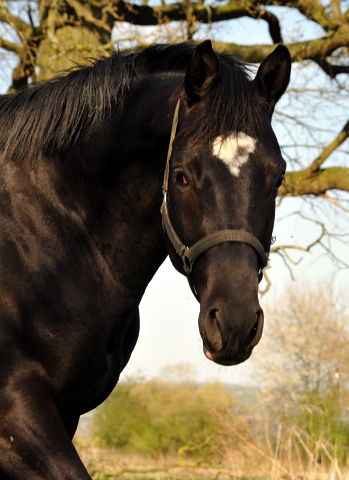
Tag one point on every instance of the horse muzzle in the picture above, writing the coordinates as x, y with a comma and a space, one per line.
228, 342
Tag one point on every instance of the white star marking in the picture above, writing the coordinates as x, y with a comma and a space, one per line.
234, 151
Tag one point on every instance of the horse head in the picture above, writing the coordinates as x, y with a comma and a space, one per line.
223, 173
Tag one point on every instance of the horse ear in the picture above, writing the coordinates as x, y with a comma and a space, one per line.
201, 73
273, 75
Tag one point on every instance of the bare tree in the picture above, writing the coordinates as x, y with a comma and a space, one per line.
305, 349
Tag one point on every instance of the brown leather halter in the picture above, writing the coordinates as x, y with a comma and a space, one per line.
190, 255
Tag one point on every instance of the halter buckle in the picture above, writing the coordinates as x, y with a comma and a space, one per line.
187, 263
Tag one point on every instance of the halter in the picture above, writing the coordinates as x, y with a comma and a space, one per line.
190, 255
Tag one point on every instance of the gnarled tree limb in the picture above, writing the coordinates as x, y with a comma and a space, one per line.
304, 183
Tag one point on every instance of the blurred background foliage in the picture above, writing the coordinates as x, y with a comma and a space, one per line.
160, 417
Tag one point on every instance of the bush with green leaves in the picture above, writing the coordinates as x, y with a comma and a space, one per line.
161, 417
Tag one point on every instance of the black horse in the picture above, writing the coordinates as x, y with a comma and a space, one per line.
82, 167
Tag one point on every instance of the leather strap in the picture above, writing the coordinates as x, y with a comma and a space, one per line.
169, 153
223, 236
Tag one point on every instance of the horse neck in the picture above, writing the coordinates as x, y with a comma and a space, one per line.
127, 190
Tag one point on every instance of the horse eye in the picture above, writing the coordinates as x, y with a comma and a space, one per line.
180, 179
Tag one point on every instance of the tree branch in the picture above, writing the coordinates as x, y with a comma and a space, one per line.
14, 21
331, 70
322, 241
83, 12
315, 50
314, 167
336, 10
317, 183
10, 47
274, 26
146, 15
312, 10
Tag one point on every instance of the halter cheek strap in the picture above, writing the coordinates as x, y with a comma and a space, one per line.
190, 255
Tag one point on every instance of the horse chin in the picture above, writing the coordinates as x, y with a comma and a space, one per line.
226, 361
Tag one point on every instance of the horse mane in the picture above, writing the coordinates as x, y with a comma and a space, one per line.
50, 117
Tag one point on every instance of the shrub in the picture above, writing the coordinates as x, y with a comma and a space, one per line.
161, 417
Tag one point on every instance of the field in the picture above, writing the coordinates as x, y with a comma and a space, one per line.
249, 464
104, 464
239, 445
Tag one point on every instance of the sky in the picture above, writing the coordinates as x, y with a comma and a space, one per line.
169, 332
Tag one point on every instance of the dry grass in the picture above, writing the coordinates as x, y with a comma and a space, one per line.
288, 455
244, 450
243, 460
103, 464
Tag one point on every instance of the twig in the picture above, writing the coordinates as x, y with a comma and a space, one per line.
314, 167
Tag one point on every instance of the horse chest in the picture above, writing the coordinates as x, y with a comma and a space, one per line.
59, 301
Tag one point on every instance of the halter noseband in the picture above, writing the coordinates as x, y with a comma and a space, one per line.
190, 255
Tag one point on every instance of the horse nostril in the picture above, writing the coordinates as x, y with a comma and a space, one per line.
213, 333
256, 332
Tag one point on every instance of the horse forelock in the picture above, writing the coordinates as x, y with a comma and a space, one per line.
232, 106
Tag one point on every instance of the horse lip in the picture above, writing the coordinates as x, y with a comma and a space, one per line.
208, 354
225, 362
